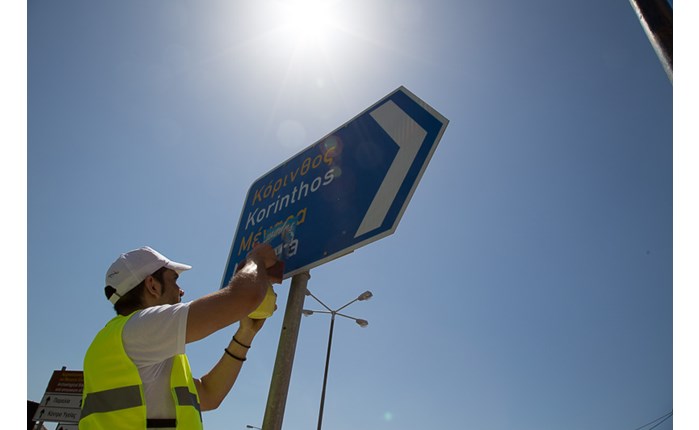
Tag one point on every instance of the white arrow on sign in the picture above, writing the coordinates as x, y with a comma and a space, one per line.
409, 136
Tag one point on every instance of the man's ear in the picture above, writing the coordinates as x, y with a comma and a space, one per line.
152, 287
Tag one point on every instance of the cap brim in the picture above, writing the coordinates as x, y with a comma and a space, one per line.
177, 267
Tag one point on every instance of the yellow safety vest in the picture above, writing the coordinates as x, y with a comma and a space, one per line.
113, 392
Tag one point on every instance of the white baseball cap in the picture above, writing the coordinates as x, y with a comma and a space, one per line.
131, 268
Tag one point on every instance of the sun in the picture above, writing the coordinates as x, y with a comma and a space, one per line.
310, 18
309, 22
307, 50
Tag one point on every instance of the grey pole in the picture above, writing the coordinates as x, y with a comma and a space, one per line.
281, 376
325, 376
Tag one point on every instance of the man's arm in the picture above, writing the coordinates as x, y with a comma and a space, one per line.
243, 295
215, 385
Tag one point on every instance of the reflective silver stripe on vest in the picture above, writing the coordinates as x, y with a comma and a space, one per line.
185, 398
112, 400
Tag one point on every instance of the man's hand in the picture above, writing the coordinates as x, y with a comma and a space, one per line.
249, 328
263, 254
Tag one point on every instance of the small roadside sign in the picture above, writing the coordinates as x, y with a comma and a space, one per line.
63, 398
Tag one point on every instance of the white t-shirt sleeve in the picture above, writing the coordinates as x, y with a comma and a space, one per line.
155, 334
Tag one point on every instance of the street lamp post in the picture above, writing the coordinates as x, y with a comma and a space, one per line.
362, 323
252, 427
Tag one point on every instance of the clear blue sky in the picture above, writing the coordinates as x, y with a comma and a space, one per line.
530, 282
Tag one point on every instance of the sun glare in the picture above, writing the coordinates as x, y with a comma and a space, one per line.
309, 50
309, 22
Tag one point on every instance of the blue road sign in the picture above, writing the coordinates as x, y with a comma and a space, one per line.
348, 189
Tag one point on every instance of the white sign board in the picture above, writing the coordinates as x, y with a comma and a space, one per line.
63, 398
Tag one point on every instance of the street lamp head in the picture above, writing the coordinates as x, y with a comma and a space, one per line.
362, 323
366, 295
306, 312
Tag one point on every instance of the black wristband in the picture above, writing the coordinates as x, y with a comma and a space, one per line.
241, 344
234, 356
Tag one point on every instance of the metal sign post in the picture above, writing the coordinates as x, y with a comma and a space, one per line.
281, 376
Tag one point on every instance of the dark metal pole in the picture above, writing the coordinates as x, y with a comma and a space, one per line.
656, 20
325, 377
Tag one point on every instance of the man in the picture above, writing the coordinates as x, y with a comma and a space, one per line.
136, 373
